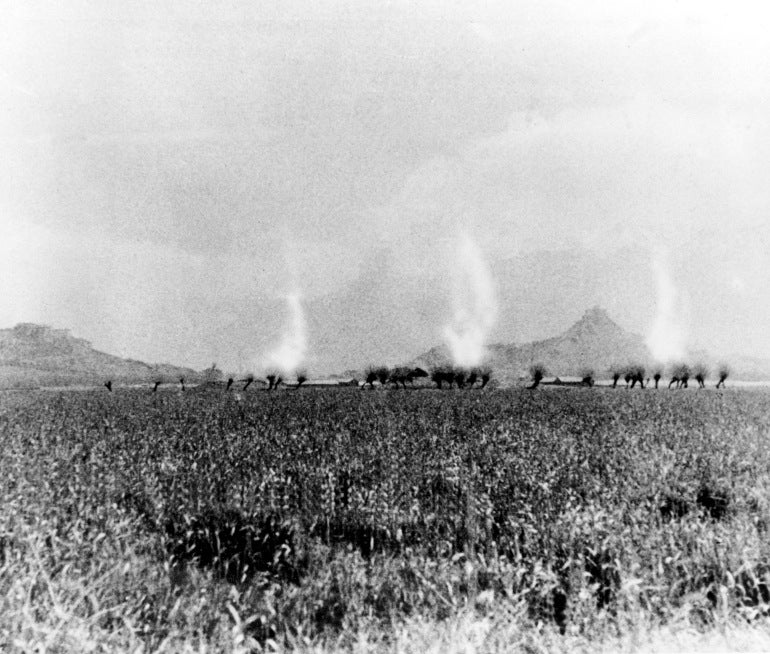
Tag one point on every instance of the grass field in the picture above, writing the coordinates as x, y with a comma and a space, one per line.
328, 519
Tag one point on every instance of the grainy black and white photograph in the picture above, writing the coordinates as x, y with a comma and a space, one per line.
364, 326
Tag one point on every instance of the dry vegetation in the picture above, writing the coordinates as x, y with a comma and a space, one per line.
340, 519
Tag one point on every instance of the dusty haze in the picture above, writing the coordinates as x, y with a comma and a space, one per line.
168, 176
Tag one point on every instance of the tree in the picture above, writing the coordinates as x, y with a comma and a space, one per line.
400, 375
273, 381
680, 375
459, 375
486, 375
230, 381
724, 371
701, 372
442, 375
588, 377
636, 371
416, 373
615, 377
249, 381
657, 375
108, 385
301, 378
536, 372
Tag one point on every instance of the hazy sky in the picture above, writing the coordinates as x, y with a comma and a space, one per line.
168, 174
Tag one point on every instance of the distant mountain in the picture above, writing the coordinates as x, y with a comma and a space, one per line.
594, 343
37, 355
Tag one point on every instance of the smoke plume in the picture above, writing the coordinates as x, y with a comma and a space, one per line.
289, 355
475, 305
666, 339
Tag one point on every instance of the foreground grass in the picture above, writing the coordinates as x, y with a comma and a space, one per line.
559, 521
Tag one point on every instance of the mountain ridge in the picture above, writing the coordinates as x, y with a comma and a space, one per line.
595, 343
34, 355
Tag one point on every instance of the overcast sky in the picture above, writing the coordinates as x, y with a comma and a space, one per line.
169, 173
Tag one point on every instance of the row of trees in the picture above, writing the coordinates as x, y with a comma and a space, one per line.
446, 376
634, 374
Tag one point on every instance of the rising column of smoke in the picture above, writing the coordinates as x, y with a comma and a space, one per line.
289, 355
666, 339
475, 305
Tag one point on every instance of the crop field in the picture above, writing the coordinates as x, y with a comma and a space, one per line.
266, 520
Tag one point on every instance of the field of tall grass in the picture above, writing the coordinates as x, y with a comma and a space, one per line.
331, 519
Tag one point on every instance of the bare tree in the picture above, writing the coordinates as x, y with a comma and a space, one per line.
724, 371
536, 372
416, 373
301, 378
701, 372
400, 375
486, 375
616, 373
230, 382
371, 377
680, 376
108, 385
383, 374
473, 377
636, 372
657, 375
181, 382
249, 381
459, 375
443, 375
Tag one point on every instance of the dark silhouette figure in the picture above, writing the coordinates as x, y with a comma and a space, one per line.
657, 377
230, 382
301, 379
701, 380
155, 386
181, 381
108, 385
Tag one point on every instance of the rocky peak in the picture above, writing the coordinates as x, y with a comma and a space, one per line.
595, 323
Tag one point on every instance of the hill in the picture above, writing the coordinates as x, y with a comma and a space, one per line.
596, 343
37, 355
